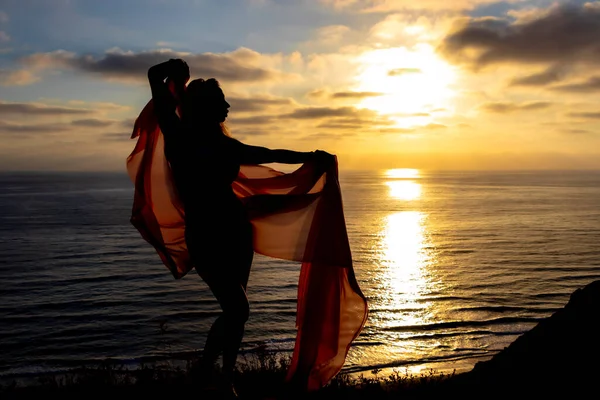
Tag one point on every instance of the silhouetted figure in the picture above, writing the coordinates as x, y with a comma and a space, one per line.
218, 233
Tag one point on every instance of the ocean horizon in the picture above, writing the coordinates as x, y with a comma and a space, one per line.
455, 266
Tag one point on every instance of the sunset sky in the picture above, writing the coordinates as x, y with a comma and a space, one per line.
439, 84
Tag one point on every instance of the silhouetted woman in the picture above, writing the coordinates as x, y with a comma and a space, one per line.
218, 233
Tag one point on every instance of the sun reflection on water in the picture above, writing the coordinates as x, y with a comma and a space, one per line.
405, 260
402, 277
404, 190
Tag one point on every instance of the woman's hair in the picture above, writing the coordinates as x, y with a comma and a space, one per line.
201, 94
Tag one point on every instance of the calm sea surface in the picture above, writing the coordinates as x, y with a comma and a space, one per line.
455, 266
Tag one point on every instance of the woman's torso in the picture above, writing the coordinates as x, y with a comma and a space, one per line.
203, 170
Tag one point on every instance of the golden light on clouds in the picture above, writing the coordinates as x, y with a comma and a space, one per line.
412, 82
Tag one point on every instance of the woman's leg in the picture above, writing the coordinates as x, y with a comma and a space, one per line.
228, 330
229, 287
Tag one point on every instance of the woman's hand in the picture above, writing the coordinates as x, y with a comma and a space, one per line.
179, 71
324, 158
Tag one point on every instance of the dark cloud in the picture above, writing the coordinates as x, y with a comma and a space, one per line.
342, 125
92, 123
562, 33
254, 120
391, 131
328, 112
127, 123
243, 104
230, 67
403, 71
551, 75
592, 85
354, 95
576, 131
325, 136
115, 137
363, 121
30, 129
585, 115
244, 133
506, 107
32, 109
322, 93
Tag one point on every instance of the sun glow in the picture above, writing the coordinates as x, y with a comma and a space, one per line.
404, 190
402, 173
413, 83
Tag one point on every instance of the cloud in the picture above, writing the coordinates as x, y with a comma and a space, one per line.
325, 136
327, 112
434, 126
341, 4
342, 125
552, 74
362, 122
563, 33
403, 71
39, 110
332, 34
163, 44
127, 123
3, 17
26, 130
115, 137
257, 103
585, 115
391, 131
383, 6
254, 120
92, 123
506, 107
592, 85
576, 131
325, 94
354, 95
102, 106
415, 114
236, 66
17, 78
4, 37
317, 93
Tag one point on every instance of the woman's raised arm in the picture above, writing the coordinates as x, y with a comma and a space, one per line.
164, 102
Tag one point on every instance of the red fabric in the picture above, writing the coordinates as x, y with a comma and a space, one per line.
296, 216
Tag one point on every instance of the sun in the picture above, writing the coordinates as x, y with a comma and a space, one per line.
413, 82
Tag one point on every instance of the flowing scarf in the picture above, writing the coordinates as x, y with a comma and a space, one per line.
296, 216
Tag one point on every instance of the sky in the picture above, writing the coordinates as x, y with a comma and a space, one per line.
429, 84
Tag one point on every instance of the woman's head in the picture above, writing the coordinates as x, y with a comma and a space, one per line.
204, 102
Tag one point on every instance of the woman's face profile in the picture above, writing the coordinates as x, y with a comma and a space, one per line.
213, 105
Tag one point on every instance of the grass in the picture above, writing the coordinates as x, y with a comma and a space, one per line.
258, 376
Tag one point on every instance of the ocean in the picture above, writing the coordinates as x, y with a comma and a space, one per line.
455, 266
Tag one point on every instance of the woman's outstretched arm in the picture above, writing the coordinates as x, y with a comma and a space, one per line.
263, 155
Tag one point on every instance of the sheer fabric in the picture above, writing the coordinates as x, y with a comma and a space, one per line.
295, 216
